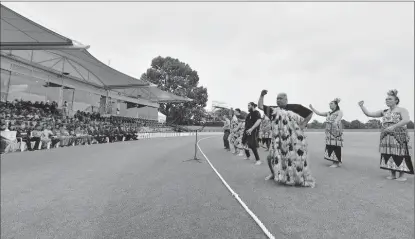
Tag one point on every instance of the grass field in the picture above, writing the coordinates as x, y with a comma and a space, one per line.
144, 190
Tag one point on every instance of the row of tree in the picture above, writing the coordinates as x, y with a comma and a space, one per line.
315, 124
172, 75
355, 124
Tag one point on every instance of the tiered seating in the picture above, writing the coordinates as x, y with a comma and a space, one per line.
41, 125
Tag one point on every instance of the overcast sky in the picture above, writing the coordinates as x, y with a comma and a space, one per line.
312, 51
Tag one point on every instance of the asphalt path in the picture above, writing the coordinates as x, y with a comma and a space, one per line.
121, 190
144, 190
353, 201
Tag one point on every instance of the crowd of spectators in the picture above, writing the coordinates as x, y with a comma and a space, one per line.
32, 126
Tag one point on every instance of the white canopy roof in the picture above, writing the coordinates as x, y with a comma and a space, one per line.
32, 43
18, 32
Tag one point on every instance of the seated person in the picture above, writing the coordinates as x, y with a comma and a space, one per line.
46, 136
35, 136
66, 138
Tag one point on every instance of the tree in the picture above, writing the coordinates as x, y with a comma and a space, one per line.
346, 124
179, 78
373, 124
315, 125
220, 113
356, 124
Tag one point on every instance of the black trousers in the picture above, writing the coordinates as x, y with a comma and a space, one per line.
267, 141
29, 143
226, 138
252, 142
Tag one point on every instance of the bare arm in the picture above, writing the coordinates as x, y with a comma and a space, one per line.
376, 114
324, 114
261, 102
261, 99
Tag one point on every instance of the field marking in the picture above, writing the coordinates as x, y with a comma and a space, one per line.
260, 224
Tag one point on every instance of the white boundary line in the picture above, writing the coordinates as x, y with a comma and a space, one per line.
260, 224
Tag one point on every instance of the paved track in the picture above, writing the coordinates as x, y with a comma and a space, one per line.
144, 190
354, 201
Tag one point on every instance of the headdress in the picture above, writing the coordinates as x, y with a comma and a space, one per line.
337, 100
393, 93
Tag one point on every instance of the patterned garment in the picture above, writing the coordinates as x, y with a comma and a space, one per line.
394, 147
239, 135
266, 129
233, 128
334, 138
289, 149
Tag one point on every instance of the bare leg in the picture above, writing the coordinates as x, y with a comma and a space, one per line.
272, 176
401, 177
392, 176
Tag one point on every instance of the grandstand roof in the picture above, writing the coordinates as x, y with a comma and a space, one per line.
18, 32
38, 45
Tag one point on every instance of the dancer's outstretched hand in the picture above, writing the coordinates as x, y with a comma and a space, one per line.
310, 106
361, 103
264, 92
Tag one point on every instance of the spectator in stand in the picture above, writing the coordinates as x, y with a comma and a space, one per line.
93, 133
35, 135
119, 133
66, 139
46, 136
56, 138
65, 109
101, 138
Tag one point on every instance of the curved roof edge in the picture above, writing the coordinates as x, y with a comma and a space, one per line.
19, 21
16, 35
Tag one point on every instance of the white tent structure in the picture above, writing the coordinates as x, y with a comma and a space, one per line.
161, 118
30, 49
20, 33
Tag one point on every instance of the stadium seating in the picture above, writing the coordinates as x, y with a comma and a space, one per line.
32, 126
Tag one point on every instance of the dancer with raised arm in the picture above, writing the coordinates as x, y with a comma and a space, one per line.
288, 155
394, 147
334, 132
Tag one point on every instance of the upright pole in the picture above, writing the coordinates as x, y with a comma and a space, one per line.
195, 156
196, 145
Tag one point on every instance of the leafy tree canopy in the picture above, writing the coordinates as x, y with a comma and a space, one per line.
172, 75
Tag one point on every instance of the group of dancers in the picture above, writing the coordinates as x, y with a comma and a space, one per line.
281, 130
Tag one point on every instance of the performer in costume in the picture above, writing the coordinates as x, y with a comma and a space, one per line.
261, 135
266, 131
250, 134
288, 159
394, 147
226, 129
239, 133
334, 133
233, 128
